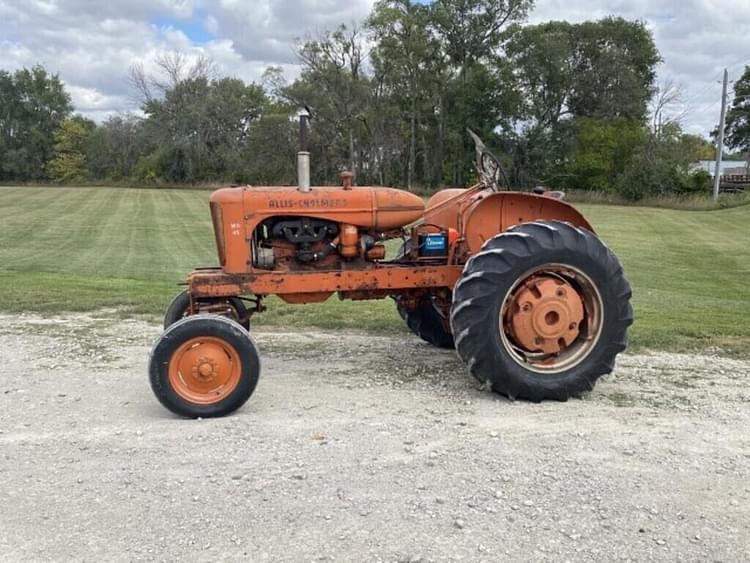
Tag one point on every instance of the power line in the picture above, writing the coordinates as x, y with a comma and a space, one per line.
710, 85
745, 61
705, 107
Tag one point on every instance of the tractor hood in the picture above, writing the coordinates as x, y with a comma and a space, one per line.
366, 207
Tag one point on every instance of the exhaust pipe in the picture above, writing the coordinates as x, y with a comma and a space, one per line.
303, 156
303, 171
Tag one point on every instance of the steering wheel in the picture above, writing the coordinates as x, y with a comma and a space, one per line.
490, 170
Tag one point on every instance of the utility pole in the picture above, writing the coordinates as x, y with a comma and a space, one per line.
720, 142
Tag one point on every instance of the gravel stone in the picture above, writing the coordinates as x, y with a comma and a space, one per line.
656, 454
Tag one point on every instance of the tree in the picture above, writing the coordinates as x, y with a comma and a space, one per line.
268, 157
472, 33
33, 104
441, 69
471, 30
602, 151
738, 117
568, 105
663, 165
173, 67
602, 71
543, 60
115, 146
196, 124
335, 85
69, 152
667, 97
616, 69
404, 60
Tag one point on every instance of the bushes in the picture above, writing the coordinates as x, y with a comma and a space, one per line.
699, 182
645, 178
603, 151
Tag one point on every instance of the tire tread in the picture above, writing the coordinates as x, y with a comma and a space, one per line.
506, 254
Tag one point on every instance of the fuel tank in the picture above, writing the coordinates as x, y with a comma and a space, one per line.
366, 207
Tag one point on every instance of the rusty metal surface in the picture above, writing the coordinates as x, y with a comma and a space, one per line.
214, 283
470, 215
369, 208
489, 214
545, 314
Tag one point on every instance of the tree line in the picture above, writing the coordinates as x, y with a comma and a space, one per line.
564, 105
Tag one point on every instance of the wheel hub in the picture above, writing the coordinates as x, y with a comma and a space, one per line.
545, 315
204, 370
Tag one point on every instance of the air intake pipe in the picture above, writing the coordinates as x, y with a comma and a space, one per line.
303, 156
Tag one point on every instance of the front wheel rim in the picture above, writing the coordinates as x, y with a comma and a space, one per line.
551, 318
205, 370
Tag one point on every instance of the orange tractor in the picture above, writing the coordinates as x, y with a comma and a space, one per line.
532, 300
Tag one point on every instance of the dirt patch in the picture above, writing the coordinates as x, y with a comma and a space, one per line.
362, 448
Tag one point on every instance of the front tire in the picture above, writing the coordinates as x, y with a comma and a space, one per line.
541, 311
230, 307
426, 322
204, 366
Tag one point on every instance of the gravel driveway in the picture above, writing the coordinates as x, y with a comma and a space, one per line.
362, 448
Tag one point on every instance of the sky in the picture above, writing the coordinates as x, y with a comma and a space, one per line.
92, 43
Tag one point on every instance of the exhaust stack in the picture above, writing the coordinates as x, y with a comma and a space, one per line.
303, 156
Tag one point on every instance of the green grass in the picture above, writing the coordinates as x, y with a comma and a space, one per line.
73, 249
692, 202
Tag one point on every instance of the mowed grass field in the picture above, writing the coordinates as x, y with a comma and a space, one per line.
74, 249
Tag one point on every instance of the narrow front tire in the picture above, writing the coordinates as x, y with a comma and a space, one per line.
231, 307
204, 366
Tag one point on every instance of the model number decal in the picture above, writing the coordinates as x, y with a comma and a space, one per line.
306, 203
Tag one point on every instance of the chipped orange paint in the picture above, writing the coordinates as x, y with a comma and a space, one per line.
490, 214
545, 315
216, 283
470, 216
378, 209
205, 370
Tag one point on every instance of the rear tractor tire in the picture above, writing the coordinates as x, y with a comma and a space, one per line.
427, 322
204, 366
231, 307
541, 311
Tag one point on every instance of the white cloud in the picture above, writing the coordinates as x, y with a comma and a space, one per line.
92, 43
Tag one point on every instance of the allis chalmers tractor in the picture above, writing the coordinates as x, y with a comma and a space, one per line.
532, 300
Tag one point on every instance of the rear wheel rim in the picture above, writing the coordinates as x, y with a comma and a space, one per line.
551, 318
205, 370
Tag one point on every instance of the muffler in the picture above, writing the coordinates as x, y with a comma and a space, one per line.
303, 156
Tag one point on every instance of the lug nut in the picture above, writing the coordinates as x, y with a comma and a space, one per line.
526, 307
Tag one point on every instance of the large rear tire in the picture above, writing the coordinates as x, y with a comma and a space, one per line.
426, 322
204, 366
231, 307
541, 311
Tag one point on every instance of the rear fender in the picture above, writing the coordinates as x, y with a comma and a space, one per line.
497, 212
